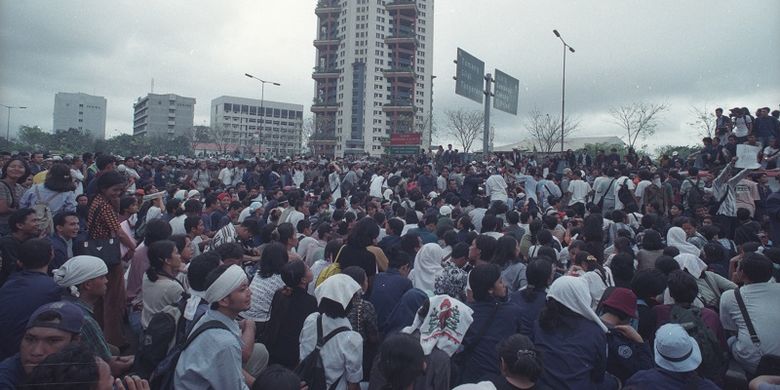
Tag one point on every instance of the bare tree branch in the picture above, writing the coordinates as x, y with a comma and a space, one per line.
546, 130
465, 126
702, 121
638, 119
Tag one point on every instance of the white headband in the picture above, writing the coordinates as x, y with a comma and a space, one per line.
225, 284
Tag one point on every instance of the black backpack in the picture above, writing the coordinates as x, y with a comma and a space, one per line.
162, 377
311, 369
624, 194
713, 361
695, 197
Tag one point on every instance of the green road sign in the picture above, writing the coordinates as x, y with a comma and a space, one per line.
470, 75
403, 150
506, 93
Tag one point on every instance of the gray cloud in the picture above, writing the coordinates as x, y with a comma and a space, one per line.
684, 53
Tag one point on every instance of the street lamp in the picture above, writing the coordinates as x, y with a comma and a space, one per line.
262, 98
563, 84
8, 125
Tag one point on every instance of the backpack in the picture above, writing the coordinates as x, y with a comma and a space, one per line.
140, 222
695, 196
311, 369
713, 363
43, 212
624, 194
162, 377
333, 269
655, 195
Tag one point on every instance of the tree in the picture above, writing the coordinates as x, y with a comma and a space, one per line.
682, 150
638, 119
218, 136
546, 130
465, 126
702, 121
35, 137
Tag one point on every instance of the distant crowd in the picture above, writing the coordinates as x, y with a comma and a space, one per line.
522, 271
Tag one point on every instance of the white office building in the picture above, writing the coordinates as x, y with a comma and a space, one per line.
163, 115
373, 74
249, 126
80, 111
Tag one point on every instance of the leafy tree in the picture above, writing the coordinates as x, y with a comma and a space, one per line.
35, 138
638, 119
683, 150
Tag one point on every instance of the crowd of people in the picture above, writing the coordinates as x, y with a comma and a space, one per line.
575, 271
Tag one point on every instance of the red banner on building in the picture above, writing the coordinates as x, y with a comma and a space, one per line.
405, 138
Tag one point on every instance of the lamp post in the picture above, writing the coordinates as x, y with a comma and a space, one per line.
8, 124
563, 83
262, 99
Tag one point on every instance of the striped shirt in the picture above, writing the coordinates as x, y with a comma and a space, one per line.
727, 187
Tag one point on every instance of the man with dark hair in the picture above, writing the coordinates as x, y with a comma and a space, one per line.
454, 277
392, 238
104, 163
25, 291
24, 226
66, 228
199, 268
195, 228
390, 286
759, 294
426, 229
50, 328
309, 246
481, 250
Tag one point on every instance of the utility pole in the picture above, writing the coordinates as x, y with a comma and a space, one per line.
486, 130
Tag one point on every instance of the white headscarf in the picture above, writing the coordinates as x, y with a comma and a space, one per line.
443, 326
225, 284
573, 292
693, 264
77, 270
340, 288
427, 264
677, 238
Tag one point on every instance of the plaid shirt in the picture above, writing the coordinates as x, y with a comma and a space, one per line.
91, 334
102, 220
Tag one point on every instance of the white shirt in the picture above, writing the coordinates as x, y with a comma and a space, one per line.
78, 178
375, 189
177, 224
295, 217
342, 355
761, 304
495, 186
740, 126
579, 190
226, 176
640, 190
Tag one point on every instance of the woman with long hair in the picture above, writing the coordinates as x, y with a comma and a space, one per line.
354, 252
57, 192
161, 289
597, 276
285, 234
652, 248
103, 223
15, 172
265, 284
289, 308
530, 299
507, 257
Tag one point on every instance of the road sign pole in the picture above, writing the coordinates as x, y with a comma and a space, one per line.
486, 130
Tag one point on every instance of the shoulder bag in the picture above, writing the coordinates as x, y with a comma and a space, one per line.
769, 364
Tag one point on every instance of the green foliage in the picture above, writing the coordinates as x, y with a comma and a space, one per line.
74, 141
591, 149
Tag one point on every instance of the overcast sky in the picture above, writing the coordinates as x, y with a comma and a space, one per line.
685, 53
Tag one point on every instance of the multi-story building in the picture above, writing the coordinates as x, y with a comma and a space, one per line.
80, 111
250, 125
373, 74
163, 115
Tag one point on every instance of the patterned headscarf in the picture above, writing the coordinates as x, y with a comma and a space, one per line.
443, 326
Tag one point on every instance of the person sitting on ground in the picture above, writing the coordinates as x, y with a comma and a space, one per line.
402, 362
84, 279
228, 295
530, 300
677, 355
25, 291
51, 327
627, 352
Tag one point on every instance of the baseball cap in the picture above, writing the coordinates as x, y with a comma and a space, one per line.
445, 210
60, 315
223, 196
675, 350
622, 300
